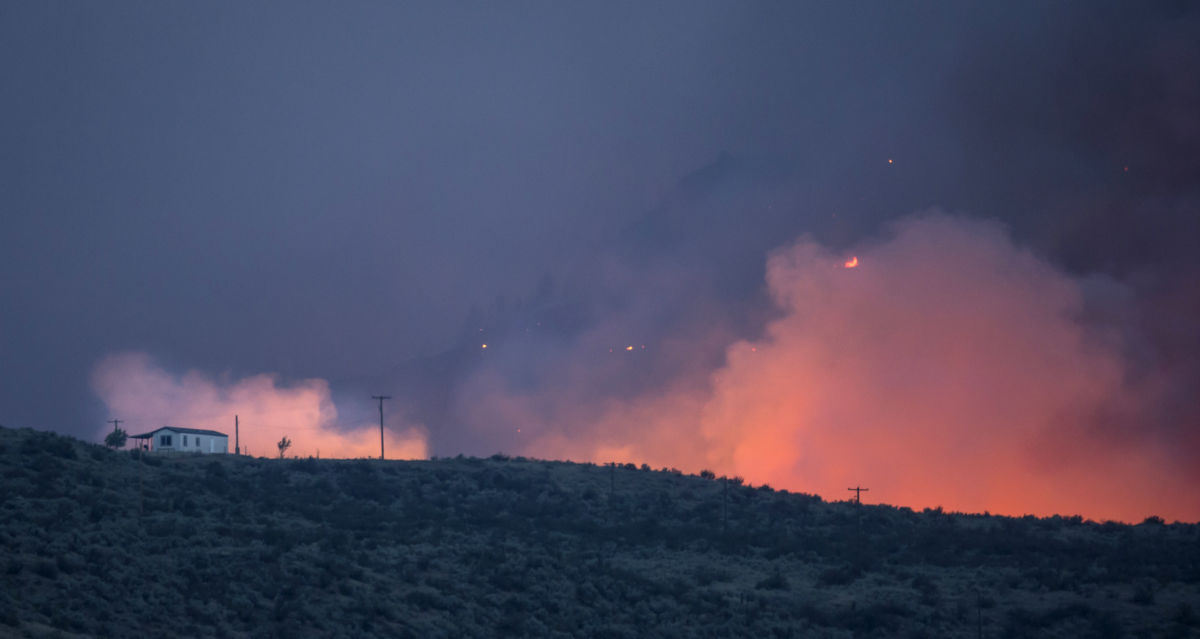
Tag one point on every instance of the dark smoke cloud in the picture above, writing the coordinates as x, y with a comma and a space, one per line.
949, 367
1073, 131
326, 198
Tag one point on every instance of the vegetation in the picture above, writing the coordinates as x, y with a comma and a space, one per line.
116, 439
104, 543
283, 445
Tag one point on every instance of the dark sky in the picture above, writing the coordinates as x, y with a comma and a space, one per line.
328, 190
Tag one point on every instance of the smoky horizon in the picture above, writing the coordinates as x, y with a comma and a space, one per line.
948, 249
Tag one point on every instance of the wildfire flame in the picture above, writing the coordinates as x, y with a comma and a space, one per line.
852, 262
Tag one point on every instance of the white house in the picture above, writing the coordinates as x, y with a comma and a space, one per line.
185, 440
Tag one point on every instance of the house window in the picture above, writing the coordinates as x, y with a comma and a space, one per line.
185, 441
164, 440
197, 442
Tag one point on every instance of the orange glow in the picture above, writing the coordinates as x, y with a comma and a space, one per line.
952, 373
629, 348
852, 262
889, 160
483, 346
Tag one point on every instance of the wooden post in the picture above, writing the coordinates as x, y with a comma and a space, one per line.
381, 398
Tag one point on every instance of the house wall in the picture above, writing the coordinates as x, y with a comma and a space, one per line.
213, 444
156, 441
206, 444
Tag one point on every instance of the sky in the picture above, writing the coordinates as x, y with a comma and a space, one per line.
646, 212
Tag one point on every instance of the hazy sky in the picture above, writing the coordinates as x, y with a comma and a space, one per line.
326, 191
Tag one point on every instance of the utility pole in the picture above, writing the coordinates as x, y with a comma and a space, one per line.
858, 490
237, 437
115, 423
381, 398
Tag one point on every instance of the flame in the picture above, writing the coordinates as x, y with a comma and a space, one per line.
852, 262
629, 348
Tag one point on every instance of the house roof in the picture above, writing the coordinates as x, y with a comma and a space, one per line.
177, 429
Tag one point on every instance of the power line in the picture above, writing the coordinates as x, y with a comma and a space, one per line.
115, 423
858, 490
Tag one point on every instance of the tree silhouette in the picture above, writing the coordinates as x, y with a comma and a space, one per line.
283, 445
115, 439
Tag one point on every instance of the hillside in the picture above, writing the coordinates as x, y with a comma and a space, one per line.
98, 543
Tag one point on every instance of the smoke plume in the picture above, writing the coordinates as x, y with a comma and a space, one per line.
146, 396
949, 367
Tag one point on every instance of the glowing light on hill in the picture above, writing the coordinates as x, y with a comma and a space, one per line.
852, 262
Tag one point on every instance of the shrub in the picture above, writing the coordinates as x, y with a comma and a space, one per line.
927, 589
1143, 592
1185, 615
776, 581
68, 563
45, 568
706, 575
1106, 625
116, 439
306, 465
283, 445
425, 599
60, 447
838, 575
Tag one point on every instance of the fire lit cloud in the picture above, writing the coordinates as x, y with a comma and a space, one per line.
955, 373
144, 395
